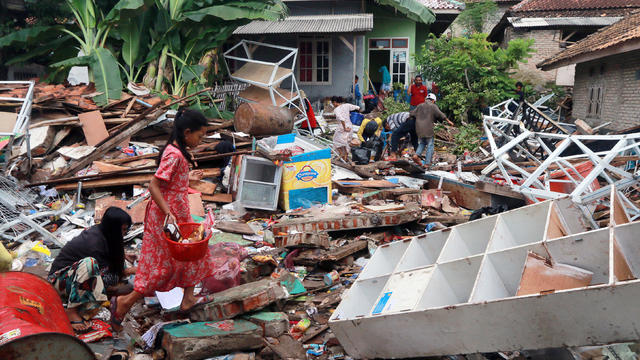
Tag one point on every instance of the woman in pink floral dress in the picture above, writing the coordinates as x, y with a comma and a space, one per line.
157, 269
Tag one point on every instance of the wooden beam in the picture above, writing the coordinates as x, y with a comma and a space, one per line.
119, 181
347, 43
140, 122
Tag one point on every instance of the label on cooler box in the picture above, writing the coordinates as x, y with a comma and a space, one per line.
306, 174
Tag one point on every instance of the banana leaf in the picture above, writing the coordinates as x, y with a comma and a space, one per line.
29, 35
75, 61
60, 48
127, 9
250, 10
106, 75
413, 9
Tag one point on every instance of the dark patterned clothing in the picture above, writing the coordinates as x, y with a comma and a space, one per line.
80, 285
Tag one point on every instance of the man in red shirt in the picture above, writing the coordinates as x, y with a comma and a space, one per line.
417, 91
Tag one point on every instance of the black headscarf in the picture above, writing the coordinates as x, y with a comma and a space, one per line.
111, 227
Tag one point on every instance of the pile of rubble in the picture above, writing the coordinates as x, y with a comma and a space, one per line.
294, 227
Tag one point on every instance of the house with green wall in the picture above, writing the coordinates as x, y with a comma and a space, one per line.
339, 39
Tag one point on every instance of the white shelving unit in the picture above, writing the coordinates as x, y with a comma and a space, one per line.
454, 291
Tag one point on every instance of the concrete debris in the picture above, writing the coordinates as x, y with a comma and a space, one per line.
312, 256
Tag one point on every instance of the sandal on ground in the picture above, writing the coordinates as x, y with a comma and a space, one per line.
119, 355
81, 322
200, 301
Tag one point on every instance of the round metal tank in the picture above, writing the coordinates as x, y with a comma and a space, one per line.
34, 324
260, 119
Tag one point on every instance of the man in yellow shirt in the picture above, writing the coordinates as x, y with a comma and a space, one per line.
365, 133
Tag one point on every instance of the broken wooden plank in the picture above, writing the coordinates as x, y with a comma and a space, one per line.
195, 205
104, 167
205, 187
218, 198
122, 180
140, 122
93, 127
496, 189
235, 227
464, 195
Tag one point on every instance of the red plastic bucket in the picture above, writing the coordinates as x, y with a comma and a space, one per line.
188, 252
34, 323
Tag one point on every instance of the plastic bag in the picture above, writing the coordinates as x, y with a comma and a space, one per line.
226, 258
360, 155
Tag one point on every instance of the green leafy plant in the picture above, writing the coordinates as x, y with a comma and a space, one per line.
467, 139
173, 42
469, 71
475, 14
398, 86
392, 107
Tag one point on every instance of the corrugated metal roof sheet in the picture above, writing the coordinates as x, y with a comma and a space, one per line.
310, 24
518, 22
620, 33
544, 5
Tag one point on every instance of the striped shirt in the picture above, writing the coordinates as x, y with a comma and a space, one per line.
397, 119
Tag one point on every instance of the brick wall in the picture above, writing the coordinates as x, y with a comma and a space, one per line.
621, 97
546, 44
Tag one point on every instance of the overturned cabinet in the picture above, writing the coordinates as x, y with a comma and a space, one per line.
455, 291
256, 182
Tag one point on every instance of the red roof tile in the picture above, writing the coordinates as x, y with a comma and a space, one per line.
625, 30
549, 5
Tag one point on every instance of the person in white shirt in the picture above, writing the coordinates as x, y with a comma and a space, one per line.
343, 133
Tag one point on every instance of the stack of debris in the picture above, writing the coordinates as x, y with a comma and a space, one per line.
293, 227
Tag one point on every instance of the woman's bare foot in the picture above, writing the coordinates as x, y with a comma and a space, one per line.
78, 324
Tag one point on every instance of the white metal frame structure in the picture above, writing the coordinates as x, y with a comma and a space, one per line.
21, 128
537, 179
278, 74
455, 291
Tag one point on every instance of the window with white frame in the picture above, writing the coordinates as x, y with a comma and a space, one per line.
314, 64
594, 106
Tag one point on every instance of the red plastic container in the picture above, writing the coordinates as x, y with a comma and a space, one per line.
34, 323
188, 252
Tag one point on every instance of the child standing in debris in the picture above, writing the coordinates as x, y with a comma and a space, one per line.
157, 269
343, 135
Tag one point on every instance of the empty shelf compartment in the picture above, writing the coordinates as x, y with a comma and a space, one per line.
468, 239
385, 259
451, 283
520, 227
359, 299
402, 292
423, 250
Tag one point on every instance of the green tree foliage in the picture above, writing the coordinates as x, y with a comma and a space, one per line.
164, 39
469, 72
475, 14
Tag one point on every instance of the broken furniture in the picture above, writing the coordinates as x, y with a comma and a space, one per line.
306, 170
265, 77
15, 127
454, 291
257, 183
547, 154
19, 218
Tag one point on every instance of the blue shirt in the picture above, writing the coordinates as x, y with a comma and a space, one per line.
386, 77
357, 93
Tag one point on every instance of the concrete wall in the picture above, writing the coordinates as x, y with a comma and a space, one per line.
621, 82
389, 23
546, 44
